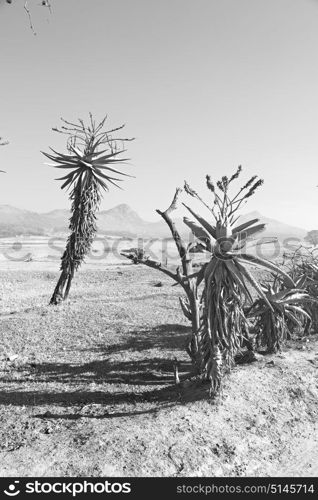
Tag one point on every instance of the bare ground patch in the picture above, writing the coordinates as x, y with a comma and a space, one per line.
87, 388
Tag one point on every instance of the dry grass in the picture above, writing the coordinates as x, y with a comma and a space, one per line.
91, 390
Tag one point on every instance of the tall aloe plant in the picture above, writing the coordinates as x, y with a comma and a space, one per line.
227, 277
92, 152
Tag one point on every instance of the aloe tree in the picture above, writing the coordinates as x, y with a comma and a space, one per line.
227, 277
92, 153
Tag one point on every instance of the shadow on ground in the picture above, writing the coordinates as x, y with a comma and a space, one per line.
166, 336
127, 382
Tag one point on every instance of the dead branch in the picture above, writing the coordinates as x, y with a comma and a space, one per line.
181, 246
26, 8
158, 265
185, 277
44, 3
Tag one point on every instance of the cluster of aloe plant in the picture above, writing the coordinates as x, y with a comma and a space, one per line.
224, 297
276, 324
219, 297
229, 282
228, 305
302, 266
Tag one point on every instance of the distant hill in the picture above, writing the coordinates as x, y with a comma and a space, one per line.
57, 220
275, 228
121, 220
14, 221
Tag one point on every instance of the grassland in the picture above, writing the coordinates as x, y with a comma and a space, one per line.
87, 388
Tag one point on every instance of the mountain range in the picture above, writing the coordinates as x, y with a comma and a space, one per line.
121, 220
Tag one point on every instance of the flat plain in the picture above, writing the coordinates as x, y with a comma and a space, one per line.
87, 388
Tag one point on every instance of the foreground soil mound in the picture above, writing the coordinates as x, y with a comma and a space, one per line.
87, 388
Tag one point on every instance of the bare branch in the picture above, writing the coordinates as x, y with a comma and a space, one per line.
174, 202
156, 265
181, 246
44, 3
26, 8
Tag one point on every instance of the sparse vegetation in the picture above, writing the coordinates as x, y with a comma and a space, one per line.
90, 387
225, 327
302, 266
91, 172
273, 324
312, 237
207, 368
136, 255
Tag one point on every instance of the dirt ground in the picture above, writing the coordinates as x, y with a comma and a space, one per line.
87, 388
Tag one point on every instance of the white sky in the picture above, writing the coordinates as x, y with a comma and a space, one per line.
203, 85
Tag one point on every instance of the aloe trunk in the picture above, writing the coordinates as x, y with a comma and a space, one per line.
83, 229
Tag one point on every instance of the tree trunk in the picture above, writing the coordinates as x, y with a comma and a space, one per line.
68, 285
192, 347
58, 295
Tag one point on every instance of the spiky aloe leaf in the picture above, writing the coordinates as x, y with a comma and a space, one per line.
285, 294
245, 272
298, 297
293, 318
241, 227
266, 264
198, 231
237, 277
185, 306
299, 310
210, 229
251, 231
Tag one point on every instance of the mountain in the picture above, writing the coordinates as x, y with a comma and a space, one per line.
57, 220
121, 220
275, 228
118, 221
15, 221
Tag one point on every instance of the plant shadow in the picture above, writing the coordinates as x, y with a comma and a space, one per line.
143, 374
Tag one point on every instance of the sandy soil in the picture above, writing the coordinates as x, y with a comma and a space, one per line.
87, 388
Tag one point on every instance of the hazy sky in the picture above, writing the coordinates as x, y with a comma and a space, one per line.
203, 85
